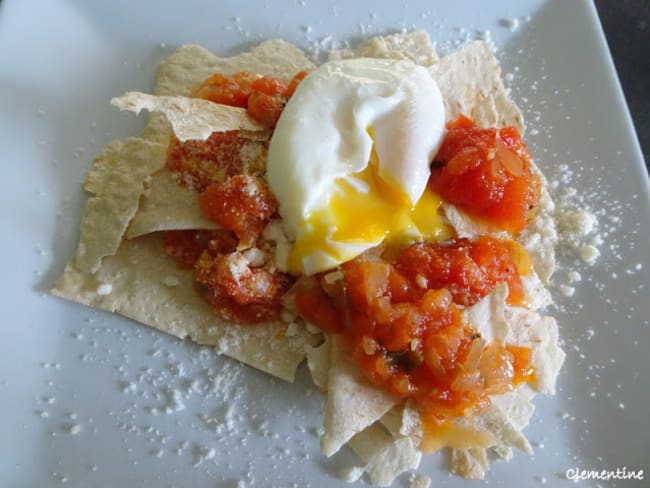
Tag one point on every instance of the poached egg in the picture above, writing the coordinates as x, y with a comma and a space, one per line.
349, 161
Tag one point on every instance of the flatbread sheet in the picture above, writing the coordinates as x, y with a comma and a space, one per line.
116, 180
142, 283
137, 271
191, 118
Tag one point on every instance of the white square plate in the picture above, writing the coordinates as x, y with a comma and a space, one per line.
91, 399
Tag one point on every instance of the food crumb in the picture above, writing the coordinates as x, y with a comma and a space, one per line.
104, 289
350, 473
171, 281
574, 276
567, 291
420, 481
72, 429
510, 24
589, 253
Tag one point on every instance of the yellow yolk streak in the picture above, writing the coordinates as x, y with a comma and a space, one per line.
366, 211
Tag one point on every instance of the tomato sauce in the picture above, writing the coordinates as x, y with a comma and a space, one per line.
226, 170
400, 318
402, 322
488, 173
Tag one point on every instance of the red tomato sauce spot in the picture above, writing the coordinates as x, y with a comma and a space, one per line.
238, 291
468, 269
243, 204
486, 172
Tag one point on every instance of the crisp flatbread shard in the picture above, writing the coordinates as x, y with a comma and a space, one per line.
495, 319
509, 413
191, 118
470, 82
147, 286
138, 269
318, 362
190, 65
385, 456
352, 403
414, 45
168, 206
116, 180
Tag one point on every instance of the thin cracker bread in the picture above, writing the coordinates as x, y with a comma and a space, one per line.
190, 65
470, 82
147, 286
116, 180
168, 206
385, 456
136, 271
415, 46
191, 118
352, 403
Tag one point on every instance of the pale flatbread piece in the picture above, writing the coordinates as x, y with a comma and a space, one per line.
540, 235
190, 65
470, 82
166, 205
400, 456
403, 420
386, 457
352, 403
540, 333
191, 118
467, 227
505, 419
522, 327
116, 180
488, 314
318, 362
494, 420
141, 282
414, 45
471, 464
138, 291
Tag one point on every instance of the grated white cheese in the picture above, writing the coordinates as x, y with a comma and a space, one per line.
589, 253
171, 281
104, 289
255, 256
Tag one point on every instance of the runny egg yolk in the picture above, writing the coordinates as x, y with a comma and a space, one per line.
363, 209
